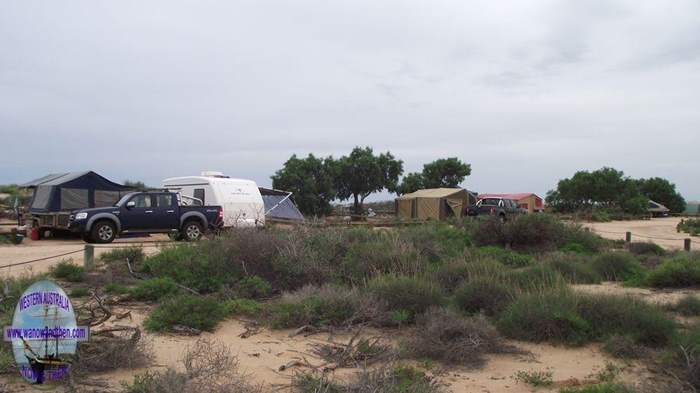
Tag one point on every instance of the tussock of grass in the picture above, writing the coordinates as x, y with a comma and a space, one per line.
606, 387
688, 306
616, 266
67, 270
154, 289
120, 254
677, 272
482, 295
315, 306
413, 295
197, 312
573, 318
574, 268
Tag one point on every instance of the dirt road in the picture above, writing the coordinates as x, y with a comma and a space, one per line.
661, 231
58, 249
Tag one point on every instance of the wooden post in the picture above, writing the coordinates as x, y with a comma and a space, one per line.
89, 257
686, 244
628, 237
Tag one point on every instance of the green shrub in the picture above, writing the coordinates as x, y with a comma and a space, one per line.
574, 268
67, 270
483, 295
384, 255
680, 271
437, 240
609, 314
324, 306
197, 312
154, 289
116, 289
545, 316
243, 307
616, 266
254, 287
7, 358
573, 318
689, 225
507, 257
688, 306
606, 387
120, 254
411, 294
685, 355
575, 248
645, 248
79, 292
535, 278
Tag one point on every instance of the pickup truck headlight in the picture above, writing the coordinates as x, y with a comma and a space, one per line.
81, 216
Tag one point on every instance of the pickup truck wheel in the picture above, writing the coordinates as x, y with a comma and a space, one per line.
87, 238
192, 230
175, 236
103, 232
502, 218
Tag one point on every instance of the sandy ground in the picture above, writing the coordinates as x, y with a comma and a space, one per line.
31, 250
661, 297
261, 355
661, 231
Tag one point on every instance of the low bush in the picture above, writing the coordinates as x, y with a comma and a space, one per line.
574, 248
688, 306
384, 254
116, 289
535, 278
680, 271
79, 292
154, 289
573, 318
253, 287
121, 254
411, 294
315, 306
623, 347
67, 270
690, 226
507, 257
616, 266
574, 268
686, 355
445, 336
243, 307
482, 295
545, 316
198, 312
646, 248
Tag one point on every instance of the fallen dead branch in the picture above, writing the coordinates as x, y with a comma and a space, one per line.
355, 353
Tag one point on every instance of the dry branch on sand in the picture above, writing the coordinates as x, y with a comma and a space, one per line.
355, 353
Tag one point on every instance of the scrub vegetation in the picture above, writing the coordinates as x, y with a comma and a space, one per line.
459, 291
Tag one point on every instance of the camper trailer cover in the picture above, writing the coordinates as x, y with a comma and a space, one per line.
279, 205
74, 190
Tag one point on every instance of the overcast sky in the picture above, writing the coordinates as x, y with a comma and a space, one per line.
527, 92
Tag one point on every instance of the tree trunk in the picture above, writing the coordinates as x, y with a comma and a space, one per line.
358, 205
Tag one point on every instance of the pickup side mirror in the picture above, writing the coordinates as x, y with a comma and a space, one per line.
130, 204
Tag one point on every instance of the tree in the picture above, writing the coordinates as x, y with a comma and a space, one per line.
137, 185
362, 173
445, 172
410, 183
662, 191
310, 180
602, 188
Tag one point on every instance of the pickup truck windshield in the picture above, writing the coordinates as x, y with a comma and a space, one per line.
123, 199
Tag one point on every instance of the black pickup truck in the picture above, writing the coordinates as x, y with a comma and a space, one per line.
145, 212
501, 208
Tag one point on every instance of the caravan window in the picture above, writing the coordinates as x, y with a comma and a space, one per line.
199, 194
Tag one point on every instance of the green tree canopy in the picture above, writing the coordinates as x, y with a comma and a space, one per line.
310, 180
362, 173
137, 185
610, 188
664, 192
444, 172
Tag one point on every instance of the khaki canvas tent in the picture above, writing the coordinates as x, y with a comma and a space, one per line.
434, 203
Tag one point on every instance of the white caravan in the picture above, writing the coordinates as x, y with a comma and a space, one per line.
240, 199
